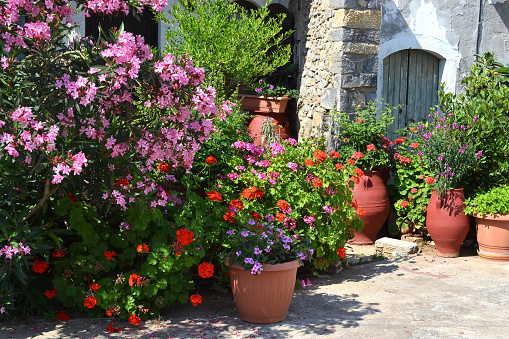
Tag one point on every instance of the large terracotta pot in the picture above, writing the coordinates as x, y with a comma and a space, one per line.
264, 298
255, 126
446, 222
371, 195
260, 103
493, 236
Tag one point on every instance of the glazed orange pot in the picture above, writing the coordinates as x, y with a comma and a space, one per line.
255, 126
446, 222
493, 236
264, 298
371, 194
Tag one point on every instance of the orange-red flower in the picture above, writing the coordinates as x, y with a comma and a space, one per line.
62, 315
398, 141
283, 204
40, 266
370, 147
342, 252
252, 193
414, 145
211, 160
134, 320
215, 196
358, 172
134, 278
122, 182
280, 217
340, 166
58, 253
109, 254
50, 293
237, 204
112, 329
317, 182
360, 211
142, 248
413, 190
109, 313
357, 155
229, 216
185, 236
94, 286
350, 161
354, 204
356, 180
334, 154
256, 216
404, 204
309, 162
320, 156
205, 270
90, 302
430, 180
195, 299
164, 167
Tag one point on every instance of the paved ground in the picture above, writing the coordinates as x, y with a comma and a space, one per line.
418, 296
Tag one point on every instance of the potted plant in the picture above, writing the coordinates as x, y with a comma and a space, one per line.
362, 143
263, 262
448, 152
491, 212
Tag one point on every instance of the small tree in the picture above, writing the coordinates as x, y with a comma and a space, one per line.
234, 46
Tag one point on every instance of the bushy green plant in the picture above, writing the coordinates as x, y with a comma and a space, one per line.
411, 190
262, 87
297, 187
361, 136
234, 46
486, 100
495, 201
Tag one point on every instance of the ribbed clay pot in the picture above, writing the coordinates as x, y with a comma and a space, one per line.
446, 222
371, 195
282, 126
264, 298
493, 236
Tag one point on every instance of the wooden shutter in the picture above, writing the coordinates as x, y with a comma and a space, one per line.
410, 83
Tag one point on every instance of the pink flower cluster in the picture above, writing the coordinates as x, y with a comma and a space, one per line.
10, 251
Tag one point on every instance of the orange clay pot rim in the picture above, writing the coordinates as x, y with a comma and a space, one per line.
268, 267
501, 217
262, 97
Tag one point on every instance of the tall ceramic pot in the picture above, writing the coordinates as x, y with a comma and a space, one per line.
282, 126
446, 222
371, 195
493, 236
264, 298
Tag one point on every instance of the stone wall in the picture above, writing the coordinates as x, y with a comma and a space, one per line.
336, 44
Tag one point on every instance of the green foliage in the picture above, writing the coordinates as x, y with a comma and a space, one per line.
495, 201
234, 46
364, 133
486, 97
410, 192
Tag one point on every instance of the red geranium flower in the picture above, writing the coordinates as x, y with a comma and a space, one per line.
430, 180
320, 156
334, 154
370, 147
350, 161
195, 299
90, 302
355, 179
413, 190
229, 216
360, 211
112, 329
358, 172
50, 293
309, 162
185, 236
134, 278
40, 266
282, 204
94, 286
122, 182
109, 254
215, 196
280, 217
251, 193
62, 315
164, 167
237, 204
256, 216
398, 141
134, 320
211, 160
109, 313
317, 182
342, 252
357, 155
205, 270
414, 145
58, 254
340, 166
404, 204
142, 248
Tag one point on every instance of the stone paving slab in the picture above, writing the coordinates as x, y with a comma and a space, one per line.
415, 296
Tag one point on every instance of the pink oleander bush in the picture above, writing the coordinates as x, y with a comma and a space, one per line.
92, 137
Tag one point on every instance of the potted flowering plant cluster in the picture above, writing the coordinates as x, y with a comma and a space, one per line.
362, 143
263, 264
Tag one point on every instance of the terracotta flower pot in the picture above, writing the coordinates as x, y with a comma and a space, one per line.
260, 103
371, 195
282, 126
493, 236
446, 222
264, 298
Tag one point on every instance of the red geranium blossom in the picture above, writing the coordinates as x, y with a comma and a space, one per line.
112, 329
350, 161
355, 179
370, 147
413, 190
40, 266
109, 254
360, 211
340, 166
185, 236
357, 155
134, 320
334, 154
211, 160
205, 270
164, 167
195, 299
280, 217
398, 141
317, 182
251, 193
256, 216
109, 313
134, 278
122, 182
283, 204
237, 204
142, 248
62, 315
358, 172
414, 145
404, 204
50, 293
94, 286
215, 196
309, 162
90, 302
342, 252
229, 216
430, 180
58, 254
320, 156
